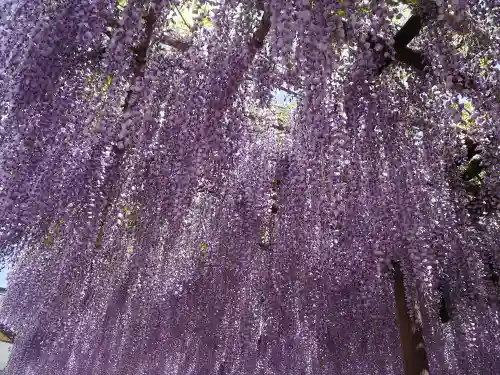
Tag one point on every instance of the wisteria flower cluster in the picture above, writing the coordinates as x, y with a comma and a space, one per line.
165, 213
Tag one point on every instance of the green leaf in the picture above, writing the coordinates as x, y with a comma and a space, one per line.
207, 23
204, 248
412, 2
468, 106
108, 83
283, 114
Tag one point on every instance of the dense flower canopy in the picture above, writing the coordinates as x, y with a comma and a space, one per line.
163, 214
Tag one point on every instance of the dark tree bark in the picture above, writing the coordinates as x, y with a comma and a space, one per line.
408, 32
403, 37
141, 52
412, 342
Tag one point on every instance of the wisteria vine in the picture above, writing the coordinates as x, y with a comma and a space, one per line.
163, 214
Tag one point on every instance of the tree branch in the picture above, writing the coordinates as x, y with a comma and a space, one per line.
260, 34
177, 43
408, 32
404, 54
111, 186
253, 46
288, 91
141, 52
182, 17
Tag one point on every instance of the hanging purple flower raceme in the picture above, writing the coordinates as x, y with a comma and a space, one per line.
165, 216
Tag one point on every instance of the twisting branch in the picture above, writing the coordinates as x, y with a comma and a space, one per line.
414, 354
403, 37
113, 23
177, 43
260, 34
416, 59
182, 17
141, 52
253, 46
270, 222
408, 32
287, 90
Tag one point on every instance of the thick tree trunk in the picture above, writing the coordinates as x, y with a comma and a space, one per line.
412, 342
